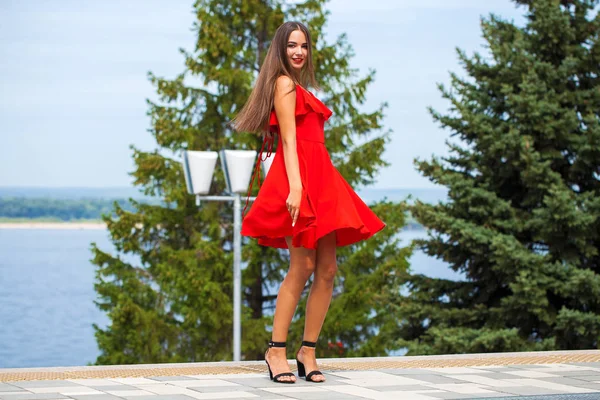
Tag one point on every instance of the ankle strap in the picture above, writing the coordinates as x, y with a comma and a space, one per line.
309, 344
276, 344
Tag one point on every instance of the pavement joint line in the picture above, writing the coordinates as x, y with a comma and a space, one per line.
325, 364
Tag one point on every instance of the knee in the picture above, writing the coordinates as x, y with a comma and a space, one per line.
302, 271
308, 269
325, 273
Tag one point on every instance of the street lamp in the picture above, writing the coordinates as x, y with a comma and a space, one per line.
198, 167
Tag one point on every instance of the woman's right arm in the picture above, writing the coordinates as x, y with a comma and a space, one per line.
285, 109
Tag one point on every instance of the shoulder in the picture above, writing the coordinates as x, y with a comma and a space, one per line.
284, 84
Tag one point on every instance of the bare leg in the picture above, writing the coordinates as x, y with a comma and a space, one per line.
318, 300
302, 265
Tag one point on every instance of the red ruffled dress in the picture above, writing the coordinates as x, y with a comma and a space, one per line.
328, 202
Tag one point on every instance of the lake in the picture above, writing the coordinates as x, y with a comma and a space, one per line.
47, 295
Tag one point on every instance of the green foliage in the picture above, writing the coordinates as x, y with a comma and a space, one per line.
168, 292
523, 221
58, 209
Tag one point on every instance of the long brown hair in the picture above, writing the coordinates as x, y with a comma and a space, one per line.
254, 116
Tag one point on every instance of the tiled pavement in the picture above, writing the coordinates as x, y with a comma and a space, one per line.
564, 381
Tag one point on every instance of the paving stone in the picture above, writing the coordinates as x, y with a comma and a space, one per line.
587, 378
434, 378
565, 381
554, 397
531, 391
65, 390
551, 385
227, 376
569, 370
405, 371
588, 364
457, 370
532, 374
321, 396
133, 381
225, 395
497, 375
251, 382
527, 366
351, 390
114, 387
330, 380
569, 366
261, 394
44, 384
33, 396
171, 378
589, 385
465, 388
200, 383
163, 397
165, 389
6, 387
487, 381
450, 395
96, 397
403, 388
492, 368
217, 389
296, 389
582, 372
403, 396
129, 393
363, 375
380, 383
92, 382
497, 396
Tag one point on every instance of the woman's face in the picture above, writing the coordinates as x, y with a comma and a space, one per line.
297, 49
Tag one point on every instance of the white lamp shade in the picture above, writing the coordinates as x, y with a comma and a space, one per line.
238, 166
198, 167
266, 164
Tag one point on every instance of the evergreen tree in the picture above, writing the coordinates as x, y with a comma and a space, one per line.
168, 291
522, 222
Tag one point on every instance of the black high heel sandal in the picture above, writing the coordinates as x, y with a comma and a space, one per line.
302, 370
276, 377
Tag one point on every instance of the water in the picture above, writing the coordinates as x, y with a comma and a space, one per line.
430, 195
47, 295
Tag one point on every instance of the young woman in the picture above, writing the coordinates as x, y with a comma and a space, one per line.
304, 204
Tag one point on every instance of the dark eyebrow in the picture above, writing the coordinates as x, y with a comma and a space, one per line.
292, 42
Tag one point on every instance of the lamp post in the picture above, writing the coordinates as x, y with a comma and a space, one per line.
199, 167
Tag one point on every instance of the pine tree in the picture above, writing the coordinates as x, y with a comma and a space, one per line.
168, 291
522, 222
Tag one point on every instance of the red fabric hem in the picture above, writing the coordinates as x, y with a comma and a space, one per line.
279, 242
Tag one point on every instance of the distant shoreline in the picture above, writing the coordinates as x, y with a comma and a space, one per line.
93, 225
53, 225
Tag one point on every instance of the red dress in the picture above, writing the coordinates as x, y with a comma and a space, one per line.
328, 202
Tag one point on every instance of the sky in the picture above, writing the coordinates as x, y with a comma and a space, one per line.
73, 79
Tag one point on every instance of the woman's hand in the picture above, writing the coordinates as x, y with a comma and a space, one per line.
293, 204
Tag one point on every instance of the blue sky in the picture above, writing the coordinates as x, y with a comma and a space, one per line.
73, 79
